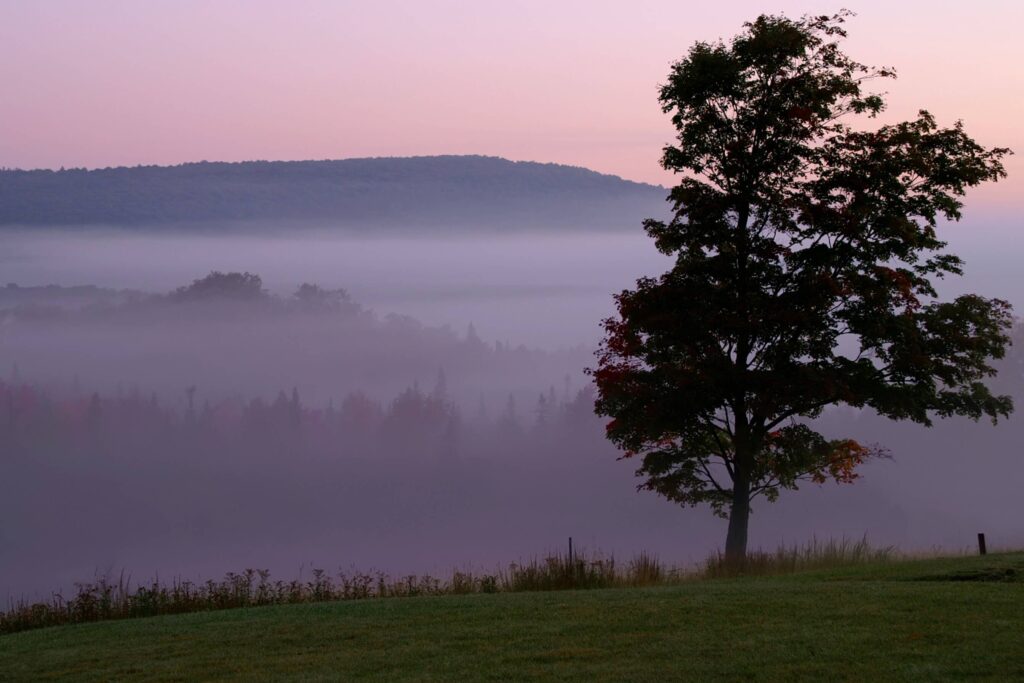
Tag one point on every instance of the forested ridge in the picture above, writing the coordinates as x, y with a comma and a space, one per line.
486, 193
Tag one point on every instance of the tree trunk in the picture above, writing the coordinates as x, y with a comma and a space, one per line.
739, 516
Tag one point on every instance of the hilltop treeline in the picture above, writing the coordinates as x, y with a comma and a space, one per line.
484, 193
230, 336
241, 292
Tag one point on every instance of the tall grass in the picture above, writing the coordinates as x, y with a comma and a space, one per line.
105, 599
796, 558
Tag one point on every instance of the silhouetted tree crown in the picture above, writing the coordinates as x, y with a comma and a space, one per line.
223, 286
805, 255
311, 297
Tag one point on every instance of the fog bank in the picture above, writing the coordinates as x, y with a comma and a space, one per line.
148, 427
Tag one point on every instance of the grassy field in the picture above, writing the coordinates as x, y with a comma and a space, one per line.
933, 620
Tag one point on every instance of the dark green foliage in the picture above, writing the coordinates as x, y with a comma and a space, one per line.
806, 250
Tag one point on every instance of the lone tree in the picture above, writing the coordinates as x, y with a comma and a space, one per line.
805, 250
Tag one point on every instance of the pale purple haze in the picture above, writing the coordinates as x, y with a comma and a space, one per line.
108, 83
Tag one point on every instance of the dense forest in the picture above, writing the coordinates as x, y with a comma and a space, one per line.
484, 193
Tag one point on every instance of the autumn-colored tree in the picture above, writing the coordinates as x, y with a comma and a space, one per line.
805, 249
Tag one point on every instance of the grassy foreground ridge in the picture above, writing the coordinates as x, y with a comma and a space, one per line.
105, 600
938, 619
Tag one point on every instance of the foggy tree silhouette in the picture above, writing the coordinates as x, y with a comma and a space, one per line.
218, 285
805, 249
542, 412
314, 298
359, 415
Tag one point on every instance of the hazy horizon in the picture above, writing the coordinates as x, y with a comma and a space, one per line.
437, 413
116, 83
546, 292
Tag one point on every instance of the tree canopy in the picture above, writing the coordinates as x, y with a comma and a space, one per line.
223, 286
806, 252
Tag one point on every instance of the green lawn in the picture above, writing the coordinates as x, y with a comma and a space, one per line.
930, 620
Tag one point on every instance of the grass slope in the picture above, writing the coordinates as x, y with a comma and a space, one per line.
948, 619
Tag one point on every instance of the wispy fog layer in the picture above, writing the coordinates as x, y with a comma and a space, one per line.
533, 289
211, 428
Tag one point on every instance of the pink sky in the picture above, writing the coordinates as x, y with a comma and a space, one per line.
108, 82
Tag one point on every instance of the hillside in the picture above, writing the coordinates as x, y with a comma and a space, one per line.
935, 620
442, 191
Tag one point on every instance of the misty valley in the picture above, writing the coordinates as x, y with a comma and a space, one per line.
217, 425
492, 341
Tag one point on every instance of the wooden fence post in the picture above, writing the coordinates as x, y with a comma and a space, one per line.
982, 550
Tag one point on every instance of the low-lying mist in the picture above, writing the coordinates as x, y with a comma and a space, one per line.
225, 344
418, 405
541, 290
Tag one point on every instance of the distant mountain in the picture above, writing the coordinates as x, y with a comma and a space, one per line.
415, 192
